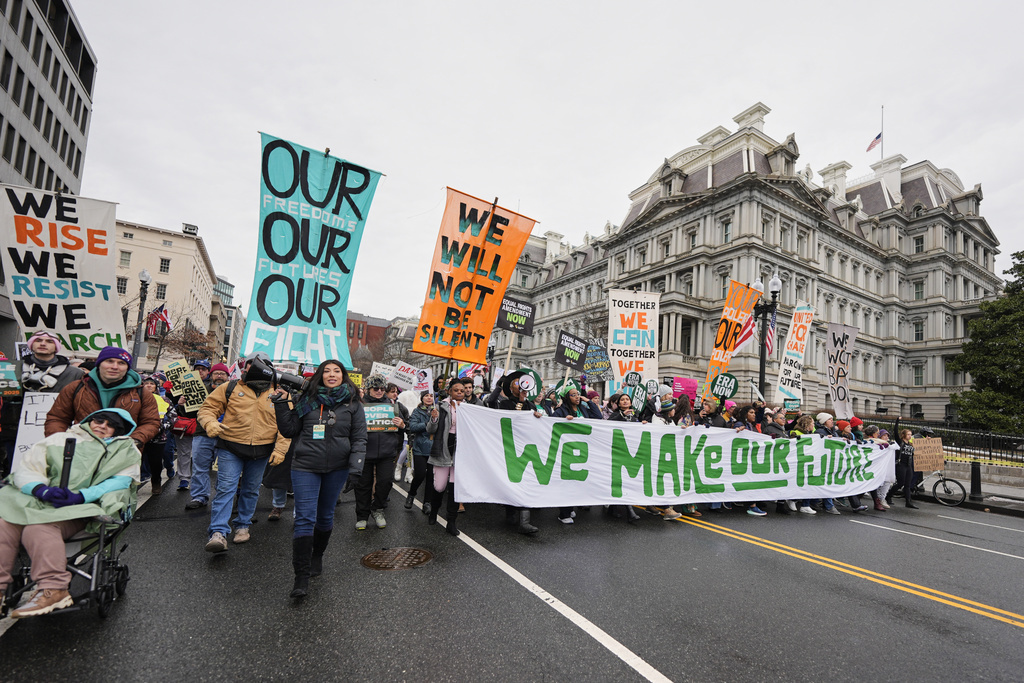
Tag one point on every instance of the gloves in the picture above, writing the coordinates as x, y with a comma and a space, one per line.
276, 458
350, 483
45, 493
70, 498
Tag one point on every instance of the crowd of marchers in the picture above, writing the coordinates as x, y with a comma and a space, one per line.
311, 446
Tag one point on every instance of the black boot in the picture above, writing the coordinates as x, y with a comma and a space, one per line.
435, 504
320, 541
452, 510
302, 552
524, 522
409, 500
780, 508
511, 515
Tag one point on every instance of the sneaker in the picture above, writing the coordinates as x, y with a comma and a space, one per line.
791, 504
217, 543
727, 506
43, 602
183, 485
860, 508
155, 489
195, 504
275, 514
879, 506
807, 510
241, 535
670, 513
756, 511
378, 519
692, 509
884, 503
565, 520
832, 510
361, 525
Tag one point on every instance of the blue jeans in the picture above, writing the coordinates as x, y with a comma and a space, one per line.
315, 497
278, 498
235, 474
202, 461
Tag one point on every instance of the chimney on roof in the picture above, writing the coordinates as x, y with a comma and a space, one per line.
553, 247
834, 175
752, 117
889, 170
189, 229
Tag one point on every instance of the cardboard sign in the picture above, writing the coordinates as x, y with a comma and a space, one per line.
60, 261
313, 209
379, 417
571, 351
597, 367
838, 344
193, 389
478, 247
516, 316
173, 371
632, 334
790, 383
381, 369
928, 455
739, 304
34, 408
10, 386
403, 376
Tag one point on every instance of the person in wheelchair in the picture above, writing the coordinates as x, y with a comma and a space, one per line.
37, 512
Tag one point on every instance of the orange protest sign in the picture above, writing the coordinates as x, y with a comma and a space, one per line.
739, 305
477, 249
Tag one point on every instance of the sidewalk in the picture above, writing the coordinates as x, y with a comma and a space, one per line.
998, 498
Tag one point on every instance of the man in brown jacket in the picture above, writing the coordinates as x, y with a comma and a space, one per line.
110, 384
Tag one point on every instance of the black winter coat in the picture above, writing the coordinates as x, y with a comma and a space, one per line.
386, 445
343, 445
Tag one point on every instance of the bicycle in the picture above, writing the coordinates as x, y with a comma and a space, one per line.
947, 491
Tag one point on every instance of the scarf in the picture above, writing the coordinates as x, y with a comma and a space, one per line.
108, 392
38, 375
325, 396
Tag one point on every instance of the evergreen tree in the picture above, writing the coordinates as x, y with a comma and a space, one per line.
994, 357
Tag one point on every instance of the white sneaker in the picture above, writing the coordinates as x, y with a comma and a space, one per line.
883, 503
807, 510
378, 519
566, 520
791, 504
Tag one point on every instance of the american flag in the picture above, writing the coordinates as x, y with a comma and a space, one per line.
875, 142
746, 333
159, 315
769, 336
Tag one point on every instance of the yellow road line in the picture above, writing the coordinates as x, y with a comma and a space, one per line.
882, 579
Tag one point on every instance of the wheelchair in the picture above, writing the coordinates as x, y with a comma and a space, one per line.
98, 576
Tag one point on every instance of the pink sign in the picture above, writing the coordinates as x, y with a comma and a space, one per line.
684, 385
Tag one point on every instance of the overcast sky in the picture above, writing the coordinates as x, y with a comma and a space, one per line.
559, 109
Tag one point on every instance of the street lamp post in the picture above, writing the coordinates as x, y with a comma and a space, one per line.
763, 309
144, 279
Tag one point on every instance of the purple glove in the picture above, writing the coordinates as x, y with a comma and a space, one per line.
46, 493
71, 498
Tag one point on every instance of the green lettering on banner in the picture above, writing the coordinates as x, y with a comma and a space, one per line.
622, 458
691, 477
575, 453
805, 464
757, 485
515, 464
762, 465
780, 456
713, 456
668, 464
739, 456
835, 451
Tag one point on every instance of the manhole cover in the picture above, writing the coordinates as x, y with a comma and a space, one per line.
397, 558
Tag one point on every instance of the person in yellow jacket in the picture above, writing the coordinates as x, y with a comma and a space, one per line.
247, 439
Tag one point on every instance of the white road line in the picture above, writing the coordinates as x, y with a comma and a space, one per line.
590, 628
940, 540
994, 526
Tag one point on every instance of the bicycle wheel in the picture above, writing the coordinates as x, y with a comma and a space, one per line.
949, 492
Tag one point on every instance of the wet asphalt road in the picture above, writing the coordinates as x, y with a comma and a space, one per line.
727, 597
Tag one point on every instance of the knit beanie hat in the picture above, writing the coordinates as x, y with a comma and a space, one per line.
41, 334
667, 404
842, 424
856, 421
822, 418
114, 352
220, 367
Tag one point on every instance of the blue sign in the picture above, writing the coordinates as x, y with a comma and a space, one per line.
312, 211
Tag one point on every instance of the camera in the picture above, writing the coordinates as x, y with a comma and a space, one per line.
260, 370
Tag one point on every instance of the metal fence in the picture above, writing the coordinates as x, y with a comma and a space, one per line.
971, 444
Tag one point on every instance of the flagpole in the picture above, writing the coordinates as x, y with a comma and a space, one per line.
882, 146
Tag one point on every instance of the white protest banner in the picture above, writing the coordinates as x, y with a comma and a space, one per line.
59, 257
790, 383
424, 380
514, 458
632, 335
403, 376
838, 345
34, 407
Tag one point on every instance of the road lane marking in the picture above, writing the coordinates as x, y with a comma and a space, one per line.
968, 521
629, 657
882, 579
940, 540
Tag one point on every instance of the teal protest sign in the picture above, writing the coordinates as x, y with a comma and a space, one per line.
379, 417
313, 208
